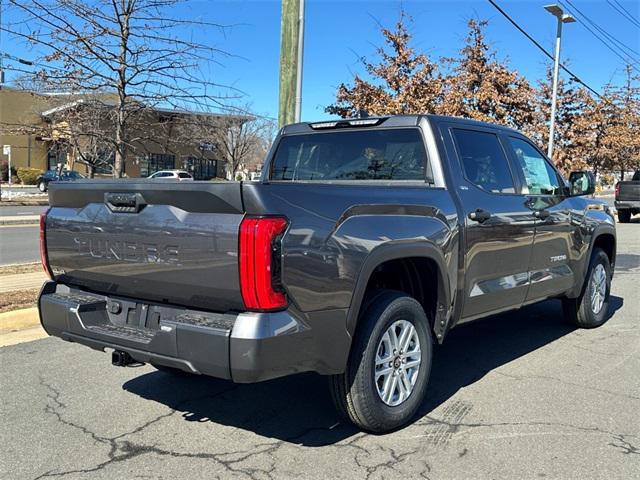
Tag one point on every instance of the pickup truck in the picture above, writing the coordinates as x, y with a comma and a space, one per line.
365, 241
627, 200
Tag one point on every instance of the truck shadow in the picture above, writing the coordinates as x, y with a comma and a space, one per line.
298, 409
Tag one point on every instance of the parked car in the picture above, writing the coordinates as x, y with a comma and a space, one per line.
364, 243
42, 182
180, 175
627, 201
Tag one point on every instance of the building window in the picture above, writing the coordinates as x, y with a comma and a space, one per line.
201, 168
154, 162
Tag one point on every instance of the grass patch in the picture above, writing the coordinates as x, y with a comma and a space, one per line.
10, 301
23, 268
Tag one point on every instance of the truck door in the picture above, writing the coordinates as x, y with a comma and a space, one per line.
557, 225
499, 227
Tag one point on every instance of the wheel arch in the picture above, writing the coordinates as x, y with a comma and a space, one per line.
395, 252
604, 237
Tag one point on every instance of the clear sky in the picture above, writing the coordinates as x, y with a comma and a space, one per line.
338, 33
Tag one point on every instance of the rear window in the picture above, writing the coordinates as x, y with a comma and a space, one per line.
392, 154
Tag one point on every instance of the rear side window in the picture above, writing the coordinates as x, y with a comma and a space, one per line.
483, 160
392, 154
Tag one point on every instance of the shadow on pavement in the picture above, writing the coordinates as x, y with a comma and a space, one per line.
298, 409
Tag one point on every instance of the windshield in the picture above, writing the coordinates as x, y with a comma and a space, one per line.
392, 154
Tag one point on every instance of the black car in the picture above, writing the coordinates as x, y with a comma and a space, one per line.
43, 180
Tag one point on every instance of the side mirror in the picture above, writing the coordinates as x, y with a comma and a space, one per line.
581, 183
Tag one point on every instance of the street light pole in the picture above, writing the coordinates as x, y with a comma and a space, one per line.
562, 17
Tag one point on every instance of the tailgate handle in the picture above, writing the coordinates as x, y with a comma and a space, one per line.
124, 202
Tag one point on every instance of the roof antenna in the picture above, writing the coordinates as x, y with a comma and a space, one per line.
362, 113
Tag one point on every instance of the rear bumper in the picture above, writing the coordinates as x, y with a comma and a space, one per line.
243, 347
627, 205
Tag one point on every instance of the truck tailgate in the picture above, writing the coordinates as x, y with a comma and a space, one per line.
629, 191
165, 242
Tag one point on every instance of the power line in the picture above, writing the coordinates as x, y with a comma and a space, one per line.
574, 77
624, 12
625, 57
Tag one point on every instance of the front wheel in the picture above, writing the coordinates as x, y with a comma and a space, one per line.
389, 364
590, 309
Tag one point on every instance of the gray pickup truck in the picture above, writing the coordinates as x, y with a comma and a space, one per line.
362, 245
627, 198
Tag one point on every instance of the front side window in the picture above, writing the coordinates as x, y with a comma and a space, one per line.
540, 177
483, 160
392, 154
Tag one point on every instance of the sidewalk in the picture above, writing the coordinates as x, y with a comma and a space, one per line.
21, 281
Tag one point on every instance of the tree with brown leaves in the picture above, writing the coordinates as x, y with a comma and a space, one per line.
403, 81
483, 88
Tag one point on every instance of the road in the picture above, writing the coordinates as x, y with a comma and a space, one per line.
19, 244
13, 211
519, 395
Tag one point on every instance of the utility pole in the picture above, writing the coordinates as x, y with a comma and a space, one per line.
562, 17
291, 54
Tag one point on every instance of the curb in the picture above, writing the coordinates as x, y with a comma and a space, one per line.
21, 221
19, 320
20, 326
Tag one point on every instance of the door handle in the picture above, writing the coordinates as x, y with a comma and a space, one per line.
541, 214
479, 215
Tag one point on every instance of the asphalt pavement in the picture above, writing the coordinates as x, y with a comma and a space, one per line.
19, 244
26, 210
519, 395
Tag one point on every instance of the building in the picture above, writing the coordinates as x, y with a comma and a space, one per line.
45, 130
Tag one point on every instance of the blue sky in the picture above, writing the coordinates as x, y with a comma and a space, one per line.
337, 33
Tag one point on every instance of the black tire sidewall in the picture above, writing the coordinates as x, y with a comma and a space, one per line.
42, 187
381, 314
624, 216
589, 318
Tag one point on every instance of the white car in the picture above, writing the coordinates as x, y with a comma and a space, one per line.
172, 175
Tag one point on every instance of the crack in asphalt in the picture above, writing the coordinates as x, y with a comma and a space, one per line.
120, 449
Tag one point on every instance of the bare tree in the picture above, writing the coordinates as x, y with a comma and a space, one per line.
243, 143
137, 49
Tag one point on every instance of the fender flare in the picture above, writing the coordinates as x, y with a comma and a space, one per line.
601, 229
395, 251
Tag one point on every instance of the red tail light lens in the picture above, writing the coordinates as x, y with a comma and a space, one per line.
44, 258
617, 190
259, 262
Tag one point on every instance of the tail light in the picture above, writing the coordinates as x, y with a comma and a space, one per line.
259, 263
617, 190
44, 258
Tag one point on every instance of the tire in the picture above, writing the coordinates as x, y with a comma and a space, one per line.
42, 187
356, 394
584, 311
624, 216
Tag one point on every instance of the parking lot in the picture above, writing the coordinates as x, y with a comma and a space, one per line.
519, 395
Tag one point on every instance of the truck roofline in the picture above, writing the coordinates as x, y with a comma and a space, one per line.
387, 121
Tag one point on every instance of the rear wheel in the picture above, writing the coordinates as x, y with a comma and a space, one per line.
389, 364
624, 216
42, 187
591, 308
